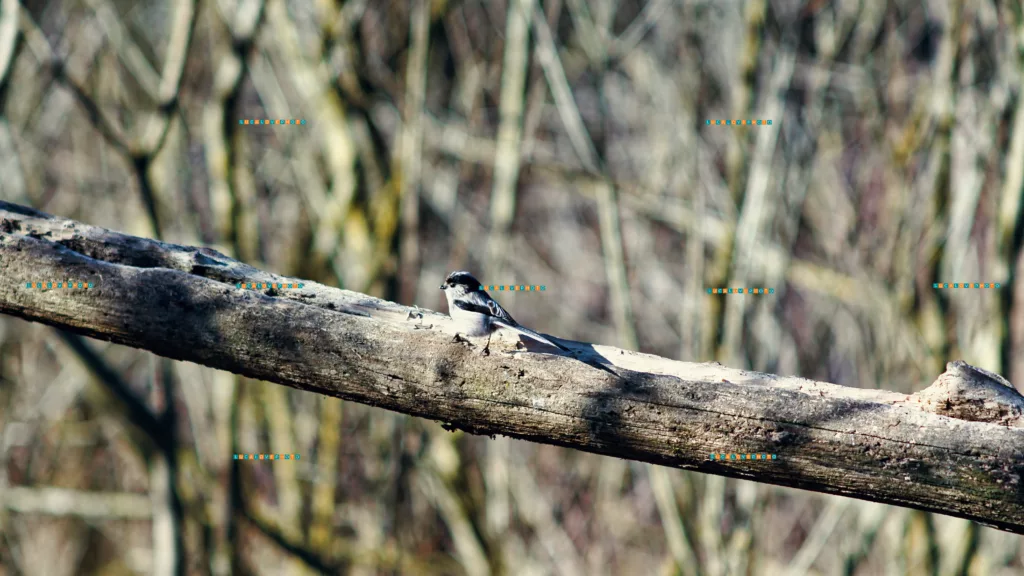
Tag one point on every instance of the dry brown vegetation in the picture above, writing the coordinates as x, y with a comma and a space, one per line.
560, 143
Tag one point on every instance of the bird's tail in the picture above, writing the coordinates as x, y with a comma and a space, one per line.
531, 334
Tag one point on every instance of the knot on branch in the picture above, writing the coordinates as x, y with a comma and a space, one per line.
970, 393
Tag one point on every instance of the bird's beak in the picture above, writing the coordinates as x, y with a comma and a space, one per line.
442, 286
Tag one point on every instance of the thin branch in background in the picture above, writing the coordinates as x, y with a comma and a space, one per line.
1008, 232
870, 519
266, 526
607, 199
468, 548
672, 524
54, 501
412, 149
336, 146
757, 210
970, 550
819, 535
161, 430
639, 27
507, 158
510, 132
221, 132
538, 511
591, 42
167, 529
289, 492
8, 39
140, 151
712, 541
547, 54
128, 52
169, 496
136, 411
322, 500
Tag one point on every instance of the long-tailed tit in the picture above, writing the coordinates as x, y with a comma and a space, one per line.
477, 314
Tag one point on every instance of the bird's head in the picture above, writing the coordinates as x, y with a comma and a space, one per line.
459, 283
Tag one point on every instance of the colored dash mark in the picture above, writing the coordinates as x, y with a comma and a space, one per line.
741, 290
52, 285
266, 456
514, 288
738, 122
270, 122
267, 286
730, 456
966, 285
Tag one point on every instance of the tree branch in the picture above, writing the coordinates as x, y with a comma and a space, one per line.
956, 448
66, 502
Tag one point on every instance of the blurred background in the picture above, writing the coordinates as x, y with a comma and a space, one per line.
561, 143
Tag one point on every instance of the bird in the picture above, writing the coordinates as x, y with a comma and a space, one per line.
477, 314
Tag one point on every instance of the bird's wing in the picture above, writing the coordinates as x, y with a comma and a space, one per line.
481, 303
500, 313
472, 307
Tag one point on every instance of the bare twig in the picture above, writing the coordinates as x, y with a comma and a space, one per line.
467, 545
412, 148
819, 535
327, 467
675, 532
504, 192
66, 502
8, 37
510, 133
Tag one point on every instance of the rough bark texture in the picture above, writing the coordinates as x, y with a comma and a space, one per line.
956, 448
